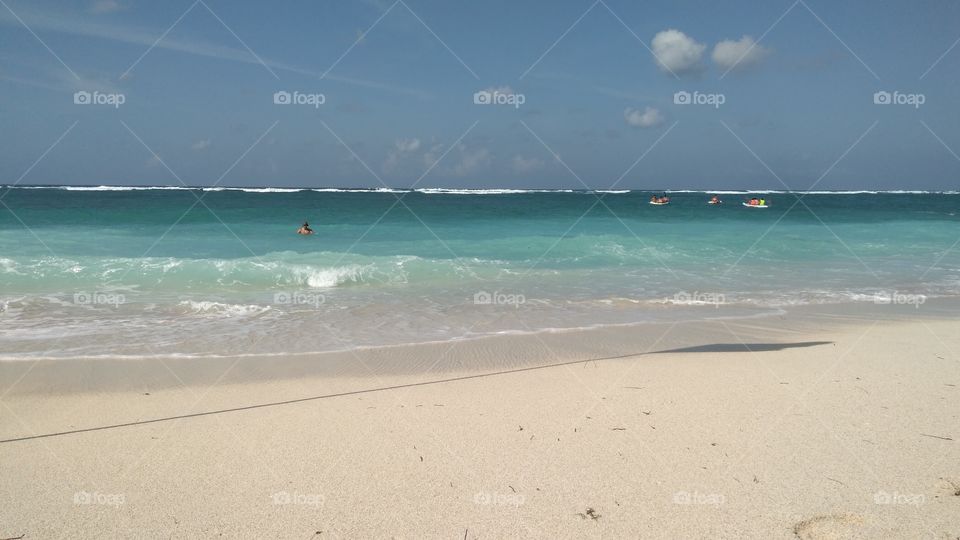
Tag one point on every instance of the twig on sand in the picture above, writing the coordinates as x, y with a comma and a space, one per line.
835, 480
937, 437
15, 537
590, 513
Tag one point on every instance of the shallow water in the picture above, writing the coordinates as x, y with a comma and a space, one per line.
121, 271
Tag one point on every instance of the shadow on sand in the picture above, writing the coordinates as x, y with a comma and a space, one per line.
744, 347
717, 347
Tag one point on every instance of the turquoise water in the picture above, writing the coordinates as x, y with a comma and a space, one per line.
100, 271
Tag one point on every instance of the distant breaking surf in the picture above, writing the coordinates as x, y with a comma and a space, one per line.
480, 191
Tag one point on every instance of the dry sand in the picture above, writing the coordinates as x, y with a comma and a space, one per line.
826, 426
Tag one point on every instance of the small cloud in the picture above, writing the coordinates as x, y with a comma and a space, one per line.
153, 161
739, 55
408, 145
650, 117
106, 6
398, 154
521, 164
677, 53
471, 159
431, 156
201, 145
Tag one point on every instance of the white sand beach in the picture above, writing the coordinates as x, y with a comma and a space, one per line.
831, 426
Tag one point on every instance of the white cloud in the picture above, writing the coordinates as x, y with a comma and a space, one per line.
106, 6
201, 145
407, 145
521, 164
459, 160
650, 117
739, 55
471, 159
401, 149
676, 52
432, 155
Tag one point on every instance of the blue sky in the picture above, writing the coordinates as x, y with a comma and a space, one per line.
597, 82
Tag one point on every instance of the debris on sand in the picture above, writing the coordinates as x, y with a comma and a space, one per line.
589, 513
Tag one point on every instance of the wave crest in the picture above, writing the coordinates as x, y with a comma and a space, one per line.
223, 309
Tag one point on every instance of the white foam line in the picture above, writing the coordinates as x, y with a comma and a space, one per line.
774, 311
452, 191
485, 191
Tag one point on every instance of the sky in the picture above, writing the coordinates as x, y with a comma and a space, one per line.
581, 94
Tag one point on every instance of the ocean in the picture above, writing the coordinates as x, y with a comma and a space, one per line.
133, 272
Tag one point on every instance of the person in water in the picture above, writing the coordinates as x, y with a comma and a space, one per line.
305, 229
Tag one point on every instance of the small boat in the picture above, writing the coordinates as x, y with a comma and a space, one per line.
714, 201
660, 200
748, 205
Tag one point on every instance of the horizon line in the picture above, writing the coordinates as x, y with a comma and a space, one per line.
492, 190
